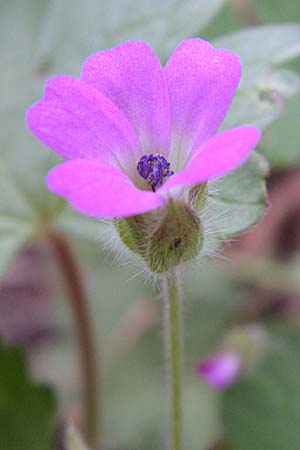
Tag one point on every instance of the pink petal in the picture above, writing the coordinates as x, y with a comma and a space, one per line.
220, 370
77, 121
202, 81
216, 157
99, 190
131, 76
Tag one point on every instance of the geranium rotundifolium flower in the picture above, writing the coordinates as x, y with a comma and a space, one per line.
140, 142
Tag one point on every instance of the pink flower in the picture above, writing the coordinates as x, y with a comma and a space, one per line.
220, 370
125, 106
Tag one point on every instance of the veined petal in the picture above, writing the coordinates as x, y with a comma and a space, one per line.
202, 81
77, 121
216, 157
131, 76
100, 190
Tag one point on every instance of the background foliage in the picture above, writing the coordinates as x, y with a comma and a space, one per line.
39, 38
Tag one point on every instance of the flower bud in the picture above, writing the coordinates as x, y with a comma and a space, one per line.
242, 348
164, 238
178, 238
220, 370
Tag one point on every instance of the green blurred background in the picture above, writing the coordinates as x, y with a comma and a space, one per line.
256, 281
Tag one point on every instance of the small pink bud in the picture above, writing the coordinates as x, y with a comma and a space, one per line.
220, 370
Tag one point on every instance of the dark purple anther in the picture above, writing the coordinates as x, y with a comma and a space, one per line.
154, 168
143, 167
164, 163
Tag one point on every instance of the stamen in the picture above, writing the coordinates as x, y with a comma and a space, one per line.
154, 168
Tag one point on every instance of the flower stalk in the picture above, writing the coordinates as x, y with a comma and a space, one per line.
173, 356
86, 348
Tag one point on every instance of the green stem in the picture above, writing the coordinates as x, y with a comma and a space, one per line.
87, 353
173, 356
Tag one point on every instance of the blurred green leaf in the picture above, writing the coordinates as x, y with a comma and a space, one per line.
162, 24
17, 217
238, 199
263, 87
78, 226
224, 22
56, 36
262, 412
265, 45
27, 410
276, 10
281, 143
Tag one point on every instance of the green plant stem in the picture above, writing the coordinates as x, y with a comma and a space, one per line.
87, 353
173, 356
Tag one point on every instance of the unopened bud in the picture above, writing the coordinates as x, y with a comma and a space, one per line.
241, 350
165, 237
220, 370
177, 238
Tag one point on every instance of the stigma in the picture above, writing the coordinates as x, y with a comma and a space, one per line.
154, 168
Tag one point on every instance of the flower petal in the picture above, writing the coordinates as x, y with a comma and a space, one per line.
100, 190
77, 121
202, 81
216, 157
131, 76
220, 370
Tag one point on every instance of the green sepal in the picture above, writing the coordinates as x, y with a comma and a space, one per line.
177, 238
198, 196
134, 232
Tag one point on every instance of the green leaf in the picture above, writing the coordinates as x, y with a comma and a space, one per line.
27, 410
263, 87
266, 91
262, 412
276, 10
88, 229
266, 45
281, 143
17, 218
238, 199
162, 24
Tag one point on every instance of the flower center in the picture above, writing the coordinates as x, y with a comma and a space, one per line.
154, 168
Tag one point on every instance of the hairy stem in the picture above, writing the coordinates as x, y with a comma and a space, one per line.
87, 354
173, 356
